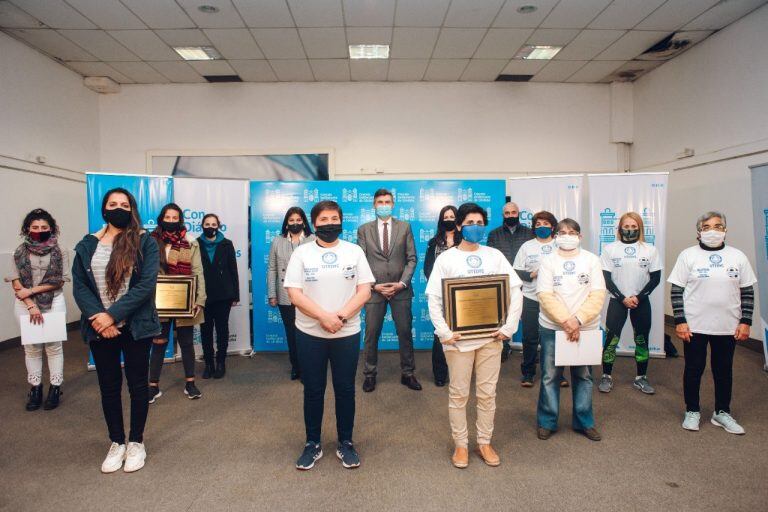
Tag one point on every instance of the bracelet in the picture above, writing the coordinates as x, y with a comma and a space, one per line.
31, 307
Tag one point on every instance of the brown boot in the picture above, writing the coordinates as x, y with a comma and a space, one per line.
460, 458
488, 454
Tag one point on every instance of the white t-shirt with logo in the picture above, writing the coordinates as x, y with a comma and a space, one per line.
329, 276
630, 265
457, 263
528, 259
712, 282
572, 280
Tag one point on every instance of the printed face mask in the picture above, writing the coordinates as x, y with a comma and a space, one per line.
473, 233
630, 235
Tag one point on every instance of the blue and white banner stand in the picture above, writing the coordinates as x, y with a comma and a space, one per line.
612, 195
418, 202
760, 212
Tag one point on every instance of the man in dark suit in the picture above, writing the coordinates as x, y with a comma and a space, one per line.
389, 247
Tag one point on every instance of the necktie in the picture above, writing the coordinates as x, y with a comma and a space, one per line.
385, 244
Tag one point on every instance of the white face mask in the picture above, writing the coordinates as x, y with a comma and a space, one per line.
712, 238
567, 242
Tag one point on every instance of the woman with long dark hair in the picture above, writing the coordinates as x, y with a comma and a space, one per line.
295, 232
113, 279
37, 275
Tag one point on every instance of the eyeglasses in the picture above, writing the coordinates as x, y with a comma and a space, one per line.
716, 227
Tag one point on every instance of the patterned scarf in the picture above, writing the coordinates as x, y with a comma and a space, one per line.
53, 274
179, 259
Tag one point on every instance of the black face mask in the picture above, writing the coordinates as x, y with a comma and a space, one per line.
40, 236
210, 232
170, 227
448, 225
328, 233
630, 235
511, 222
295, 228
119, 217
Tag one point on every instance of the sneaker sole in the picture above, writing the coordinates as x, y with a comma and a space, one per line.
604, 390
133, 470
307, 468
110, 471
644, 391
191, 397
348, 466
691, 429
156, 397
718, 424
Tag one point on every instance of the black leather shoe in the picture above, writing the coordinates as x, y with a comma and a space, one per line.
505, 351
440, 383
35, 397
295, 375
411, 382
209, 371
53, 399
221, 370
369, 384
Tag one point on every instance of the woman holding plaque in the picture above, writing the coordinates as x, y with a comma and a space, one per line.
113, 282
179, 256
37, 274
295, 232
479, 356
571, 292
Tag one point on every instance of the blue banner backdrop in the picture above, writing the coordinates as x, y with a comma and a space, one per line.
418, 202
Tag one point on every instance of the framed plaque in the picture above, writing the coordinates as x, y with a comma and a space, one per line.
475, 307
175, 296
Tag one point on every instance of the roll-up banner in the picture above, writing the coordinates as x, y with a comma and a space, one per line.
760, 212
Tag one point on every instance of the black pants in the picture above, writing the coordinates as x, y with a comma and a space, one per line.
402, 315
106, 356
439, 364
184, 335
641, 325
216, 316
314, 355
722, 349
530, 318
288, 314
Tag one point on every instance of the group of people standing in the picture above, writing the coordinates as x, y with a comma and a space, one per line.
321, 283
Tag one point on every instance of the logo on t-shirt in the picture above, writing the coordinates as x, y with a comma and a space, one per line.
569, 266
349, 272
474, 261
329, 258
546, 249
583, 278
630, 251
716, 260
733, 272
644, 262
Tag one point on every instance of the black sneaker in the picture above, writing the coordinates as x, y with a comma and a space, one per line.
312, 452
154, 393
347, 455
191, 391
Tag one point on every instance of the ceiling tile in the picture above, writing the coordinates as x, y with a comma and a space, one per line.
413, 43
472, 13
324, 43
99, 69
264, 14
558, 70
212, 67
234, 43
317, 13
483, 70
178, 71
293, 70
723, 14
54, 13
524, 67
330, 70
674, 14
420, 13
407, 70
254, 70
458, 43
107, 14
160, 13
279, 43
140, 72
145, 44
13, 17
625, 14
631, 44
227, 17
595, 71
100, 44
588, 44
52, 43
184, 37
553, 36
445, 70
574, 13
502, 43
369, 13
509, 17
368, 70
369, 35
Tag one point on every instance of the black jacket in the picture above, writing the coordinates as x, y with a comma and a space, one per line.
221, 279
509, 243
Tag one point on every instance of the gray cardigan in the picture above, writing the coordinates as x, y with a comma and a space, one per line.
279, 253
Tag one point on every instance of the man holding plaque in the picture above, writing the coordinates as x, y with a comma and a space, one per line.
475, 303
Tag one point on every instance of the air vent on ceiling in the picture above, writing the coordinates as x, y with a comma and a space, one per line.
513, 78
671, 46
222, 78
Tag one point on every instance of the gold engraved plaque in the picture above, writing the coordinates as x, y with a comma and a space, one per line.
475, 307
175, 296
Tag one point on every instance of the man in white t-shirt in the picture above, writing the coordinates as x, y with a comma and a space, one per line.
712, 300
467, 356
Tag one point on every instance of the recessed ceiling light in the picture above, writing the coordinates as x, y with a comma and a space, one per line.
527, 9
537, 52
197, 52
369, 51
208, 9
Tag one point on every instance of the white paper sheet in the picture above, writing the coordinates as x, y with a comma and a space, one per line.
53, 328
587, 351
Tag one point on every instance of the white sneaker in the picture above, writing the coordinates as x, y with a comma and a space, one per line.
134, 460
114, 459
725, 420
691, 421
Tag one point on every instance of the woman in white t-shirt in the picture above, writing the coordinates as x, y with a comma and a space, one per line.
328, 281
632, 270
571, 291
467, 356
712, 300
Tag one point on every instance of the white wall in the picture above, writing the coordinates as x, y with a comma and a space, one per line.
713, 99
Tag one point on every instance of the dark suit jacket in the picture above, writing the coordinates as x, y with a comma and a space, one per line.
398, 265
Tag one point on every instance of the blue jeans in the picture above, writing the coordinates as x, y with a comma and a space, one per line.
549, 391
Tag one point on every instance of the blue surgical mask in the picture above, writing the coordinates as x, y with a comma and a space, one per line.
383, 212
543, 232
473, 233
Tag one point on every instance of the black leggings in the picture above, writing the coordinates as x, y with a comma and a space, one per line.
722, 349
641, 325
288, 314
184, 335
216, 316
439, 364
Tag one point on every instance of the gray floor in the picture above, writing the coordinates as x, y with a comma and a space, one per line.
234, 449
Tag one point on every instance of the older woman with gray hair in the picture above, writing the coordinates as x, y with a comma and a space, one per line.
712, 300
